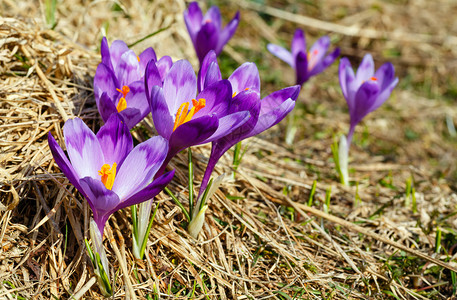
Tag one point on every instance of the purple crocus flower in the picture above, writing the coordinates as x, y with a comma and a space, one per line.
119, 83
206, 31
366, 90
306, 64
185, 119
105, 167
265, 113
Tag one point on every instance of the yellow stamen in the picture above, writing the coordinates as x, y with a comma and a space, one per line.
122, 102
121, 105
374, 78
138, 58
108, 174
183, 114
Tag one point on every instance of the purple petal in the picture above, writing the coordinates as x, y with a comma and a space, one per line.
385, 75
384, 94
213, 15
105, 82
228, 124
163, 120
132, 116
194, 132
301, 68
83, 148
273, 117
104, 50
149, 192
207, 39
227, 33
151, 78
346, 75
213, 75
164, 65
282, 54
106, 107
323, 64
117, 49
193, 17
298, 42
115, 140
245, 101
140, 166
63, 163
364, 100
180, 85
146, 56
365, 70
245, 77
128, 70
218, 97
209, 64
102, 201
318, 51
137, 105
275, 99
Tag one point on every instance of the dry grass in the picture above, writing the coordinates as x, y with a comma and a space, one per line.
260, 240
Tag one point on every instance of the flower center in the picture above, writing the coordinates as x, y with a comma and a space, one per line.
312, 59
184, 115
122, 102
374, 79
108, 174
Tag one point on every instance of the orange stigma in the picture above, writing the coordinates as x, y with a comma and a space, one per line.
374, 78
184, 115
122, 102
138, 58
108, 174
125, 90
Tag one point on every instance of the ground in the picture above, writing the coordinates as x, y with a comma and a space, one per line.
391, 234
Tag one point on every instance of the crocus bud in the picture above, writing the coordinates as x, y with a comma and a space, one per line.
196, 225
198, 217
343, 152
99, 259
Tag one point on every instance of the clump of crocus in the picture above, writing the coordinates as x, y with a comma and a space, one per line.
264, 113
186, 118
119, 81
306, 64
110, 174
206, 31
364, 92
105, 167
